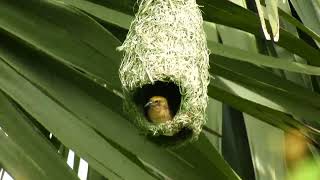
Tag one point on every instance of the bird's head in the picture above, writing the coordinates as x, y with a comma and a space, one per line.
157, 101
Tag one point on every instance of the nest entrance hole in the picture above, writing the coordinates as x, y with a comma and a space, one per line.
169, 90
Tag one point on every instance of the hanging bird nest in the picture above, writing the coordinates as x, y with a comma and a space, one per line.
165, 54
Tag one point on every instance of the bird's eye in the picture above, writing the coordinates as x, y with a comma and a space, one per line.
156, 101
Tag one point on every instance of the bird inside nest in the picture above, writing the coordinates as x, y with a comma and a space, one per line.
158, 110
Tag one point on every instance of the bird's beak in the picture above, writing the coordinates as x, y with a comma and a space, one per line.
148, 104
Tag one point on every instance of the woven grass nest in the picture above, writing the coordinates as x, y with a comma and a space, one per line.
165, 53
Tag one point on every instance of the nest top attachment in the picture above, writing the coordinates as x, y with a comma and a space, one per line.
165, 54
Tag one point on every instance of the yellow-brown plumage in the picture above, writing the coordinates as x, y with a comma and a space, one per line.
158, 110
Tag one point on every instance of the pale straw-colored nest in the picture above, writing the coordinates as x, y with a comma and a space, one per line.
166, 43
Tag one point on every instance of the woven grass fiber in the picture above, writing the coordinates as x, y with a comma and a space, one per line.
166, 43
